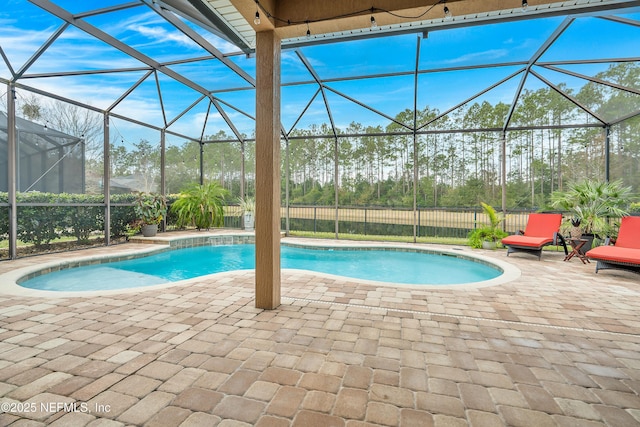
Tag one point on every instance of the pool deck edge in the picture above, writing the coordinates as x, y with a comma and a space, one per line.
9, 282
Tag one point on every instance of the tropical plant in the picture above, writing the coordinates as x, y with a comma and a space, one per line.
491, 232
150, 208
133, 228
247, 204
201, 206
593, 203
247, 210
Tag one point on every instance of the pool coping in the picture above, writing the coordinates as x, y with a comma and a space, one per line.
509, 271
10, 282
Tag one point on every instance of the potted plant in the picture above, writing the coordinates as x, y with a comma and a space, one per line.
487, 236
150, 208
132, 228
248, 209
200, 206
592, 204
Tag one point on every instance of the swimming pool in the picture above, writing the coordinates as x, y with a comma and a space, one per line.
400, 266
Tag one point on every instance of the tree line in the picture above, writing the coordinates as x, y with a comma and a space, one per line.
454, 168
458, 169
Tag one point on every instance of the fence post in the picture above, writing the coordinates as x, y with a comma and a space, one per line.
475, 218
418, 231
314, 219
365, 221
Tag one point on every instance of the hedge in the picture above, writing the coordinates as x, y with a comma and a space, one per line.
42, 224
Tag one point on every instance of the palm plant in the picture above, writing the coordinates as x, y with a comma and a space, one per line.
201, 206
247, 204
247, 209
592, 203
491, 232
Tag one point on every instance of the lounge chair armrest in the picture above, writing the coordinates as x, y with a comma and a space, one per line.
520, 233
559, 240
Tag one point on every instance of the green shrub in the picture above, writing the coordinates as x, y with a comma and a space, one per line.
491, 232
39, 224
150, 208
201, 206
4, 217
594, 203
121, 216
85, 220
485, 234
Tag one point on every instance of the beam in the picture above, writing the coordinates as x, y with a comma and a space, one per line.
224, 29
108, 9
7, 63
336, 170
545, 46
12, 170
415, 141
115, 43
594, 79
331, 22
570, 98
106, 178
203, 43
41, 50
101, 111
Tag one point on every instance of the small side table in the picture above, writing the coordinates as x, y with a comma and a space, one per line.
576, 245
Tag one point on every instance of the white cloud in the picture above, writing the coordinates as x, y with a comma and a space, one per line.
222, 45
20, 44
73, 50
192, 125
486, 56
157, 35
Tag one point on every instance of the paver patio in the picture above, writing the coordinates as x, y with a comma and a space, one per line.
559, 346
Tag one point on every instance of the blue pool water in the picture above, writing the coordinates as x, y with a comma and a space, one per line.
170, 266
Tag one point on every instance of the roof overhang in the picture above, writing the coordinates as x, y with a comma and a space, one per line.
320, 21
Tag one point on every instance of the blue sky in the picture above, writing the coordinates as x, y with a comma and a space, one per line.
24, 28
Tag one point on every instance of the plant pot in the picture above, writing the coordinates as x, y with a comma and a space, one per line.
149, 230
248, 221
589, 238
489, 245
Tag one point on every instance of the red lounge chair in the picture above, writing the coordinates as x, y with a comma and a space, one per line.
625, 254
542, 230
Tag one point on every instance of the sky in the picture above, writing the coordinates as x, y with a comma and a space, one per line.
24, 28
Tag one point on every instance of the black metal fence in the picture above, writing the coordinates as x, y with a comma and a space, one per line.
369, 221
432, 222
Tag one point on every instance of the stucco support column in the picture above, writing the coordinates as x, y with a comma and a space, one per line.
267, 220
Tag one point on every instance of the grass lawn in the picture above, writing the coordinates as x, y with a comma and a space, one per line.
403, 239
460, 241
4, 244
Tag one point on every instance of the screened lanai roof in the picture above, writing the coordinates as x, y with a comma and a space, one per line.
33, 138
187, 67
